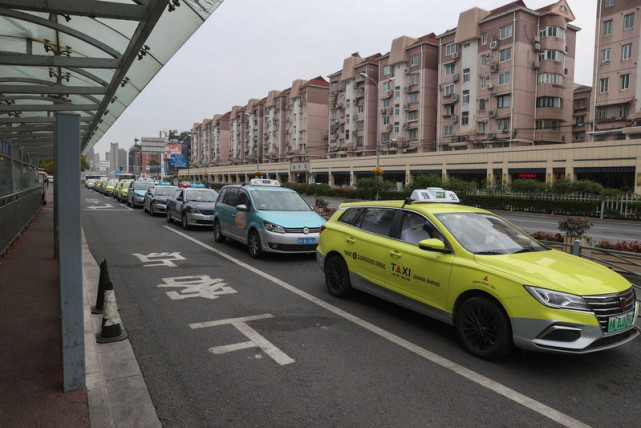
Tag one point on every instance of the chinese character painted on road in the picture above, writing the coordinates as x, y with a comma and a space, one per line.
159, 259
196, 286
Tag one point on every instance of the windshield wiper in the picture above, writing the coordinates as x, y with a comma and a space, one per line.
488, 253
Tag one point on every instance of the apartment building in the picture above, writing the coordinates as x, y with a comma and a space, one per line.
196, 145
272, 139
306, 125
616, 97
220, 139
506, 78
581, 118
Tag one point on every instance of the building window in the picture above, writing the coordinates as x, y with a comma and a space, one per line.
625, 82
579, 120
413, 79
607, 28
347, 134
386, 103
450, 49
334, 114
466, 74
483, 82
413, 115
605, 56
465, 118
503, 124
504, 78
481, 127
551, 78
334, 86
505, 32
551, 31
414, 61
601, 113
579, 136
397, 127
387, 85
359, 124
449, 89
361, 108
628, 22
555, 102
397, 109
397, 91
448, 130
413, 97
604, 84
483, 60
503, 101
505, 55
449, 69
448, 109
580, 104
482, 104
609, 3
550, 55
623, 111
385, 120
347, 119
549, 124
466, 97
484, 39
626, 52
413, 134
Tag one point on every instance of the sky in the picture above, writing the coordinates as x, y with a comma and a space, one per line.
249, 47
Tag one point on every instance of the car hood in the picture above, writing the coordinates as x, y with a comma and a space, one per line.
559, 271
160, 198
293, 218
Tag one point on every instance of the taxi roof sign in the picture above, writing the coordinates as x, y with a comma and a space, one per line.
263, 182
434, 194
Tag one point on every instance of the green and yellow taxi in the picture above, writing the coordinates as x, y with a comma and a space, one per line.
110, 187
472, 269
122, 189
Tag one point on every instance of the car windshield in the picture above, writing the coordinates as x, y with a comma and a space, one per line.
164, 190
144, 185
202, 195
270, 200
126, 184
485, 233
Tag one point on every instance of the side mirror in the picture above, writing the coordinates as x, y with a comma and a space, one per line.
432, 245
242, 207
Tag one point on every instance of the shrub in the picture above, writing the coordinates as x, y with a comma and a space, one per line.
587, 186
526, 185
633, 247
574, 227
562, 186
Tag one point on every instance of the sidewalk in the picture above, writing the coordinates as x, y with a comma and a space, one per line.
30, 345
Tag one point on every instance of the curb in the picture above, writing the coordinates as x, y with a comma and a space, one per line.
116, 392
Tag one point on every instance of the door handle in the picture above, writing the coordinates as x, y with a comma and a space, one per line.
395, 253
350, 240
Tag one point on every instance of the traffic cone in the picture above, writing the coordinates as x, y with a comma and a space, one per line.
110, 331
102, 282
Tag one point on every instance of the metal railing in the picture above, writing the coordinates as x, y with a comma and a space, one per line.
16, 212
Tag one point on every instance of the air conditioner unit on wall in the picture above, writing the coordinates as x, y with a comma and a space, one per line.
492, 113
454, 118
536, 65
494, 67
455, 77
454, 97
455, 55
494, 44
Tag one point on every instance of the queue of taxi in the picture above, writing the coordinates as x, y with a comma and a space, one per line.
467, 267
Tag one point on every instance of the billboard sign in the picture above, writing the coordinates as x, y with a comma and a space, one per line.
173, 149
178, 161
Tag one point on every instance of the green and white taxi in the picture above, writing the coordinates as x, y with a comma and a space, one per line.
266, 217
472, 269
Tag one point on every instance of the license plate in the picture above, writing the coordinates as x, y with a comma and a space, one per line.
621, 321
306, 241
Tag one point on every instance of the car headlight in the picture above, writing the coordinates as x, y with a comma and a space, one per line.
557, 299
271, 227
195, 210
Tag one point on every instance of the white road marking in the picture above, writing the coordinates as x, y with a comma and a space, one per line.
255, 339
478, 378
196, 286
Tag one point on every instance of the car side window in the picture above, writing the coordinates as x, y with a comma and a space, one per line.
377, 220
231, 197
413, 228
349, 215
243, 198
221, 195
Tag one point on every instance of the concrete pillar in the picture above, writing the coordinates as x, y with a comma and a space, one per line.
67, 231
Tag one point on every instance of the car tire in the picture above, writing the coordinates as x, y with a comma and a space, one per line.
337, 277
169, 219
254, 245
183, 221
218, 233
483, 328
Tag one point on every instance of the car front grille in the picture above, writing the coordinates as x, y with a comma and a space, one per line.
608, 305
207, 212
300, 229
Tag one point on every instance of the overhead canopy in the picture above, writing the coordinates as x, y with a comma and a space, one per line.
83, 56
